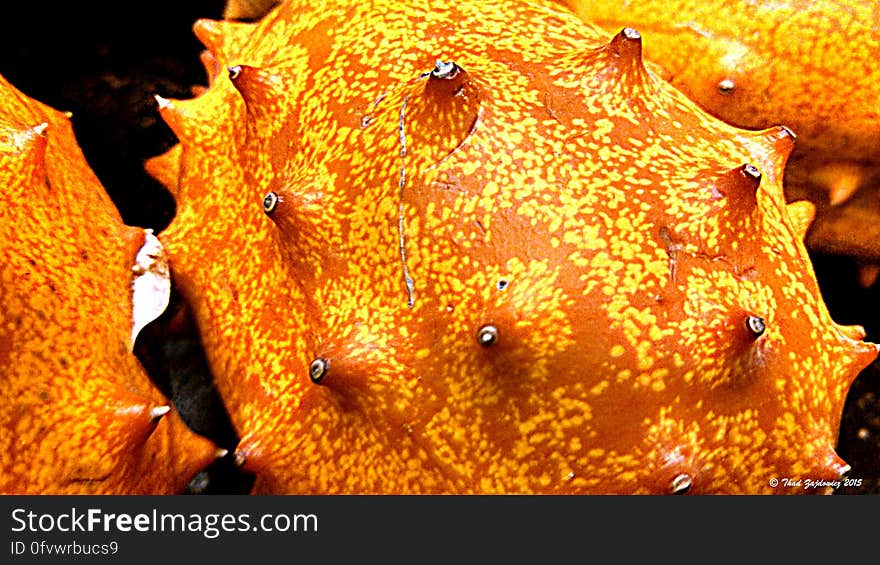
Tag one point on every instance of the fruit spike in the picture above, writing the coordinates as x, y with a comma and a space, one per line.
842, 180
159, 411
166, 167
224, 40
497, 254
757, 65
260, 88
628, 46
132, 417
174, 114
213, 69
80, 416
801, 214
27, 153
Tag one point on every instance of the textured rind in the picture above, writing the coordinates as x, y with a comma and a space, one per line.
810, 65
616, 239
80, 415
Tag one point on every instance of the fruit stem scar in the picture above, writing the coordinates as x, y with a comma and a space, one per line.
401, 221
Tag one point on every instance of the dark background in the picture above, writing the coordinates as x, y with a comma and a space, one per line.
104, 61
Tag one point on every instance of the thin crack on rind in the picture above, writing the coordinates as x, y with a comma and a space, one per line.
401, 221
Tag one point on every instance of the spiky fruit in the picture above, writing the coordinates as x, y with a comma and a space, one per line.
807, 64
495, 254
80, 416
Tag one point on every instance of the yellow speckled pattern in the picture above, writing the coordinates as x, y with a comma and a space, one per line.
807, 64
513, 259
77, 405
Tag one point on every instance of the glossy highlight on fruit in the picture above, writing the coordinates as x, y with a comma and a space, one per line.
473, 248
80, 415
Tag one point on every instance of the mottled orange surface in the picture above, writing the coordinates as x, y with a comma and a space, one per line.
810, 65
481, 249
79, 414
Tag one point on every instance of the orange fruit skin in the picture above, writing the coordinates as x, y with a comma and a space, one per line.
80, 414
808, 65
484, 249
